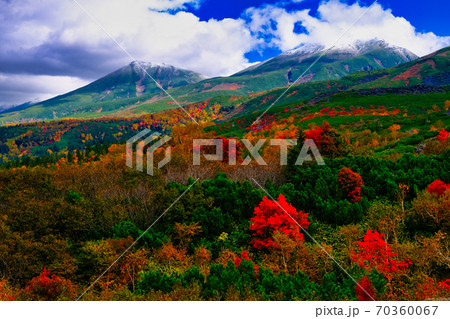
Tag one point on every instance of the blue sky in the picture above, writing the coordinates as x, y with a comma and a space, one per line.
51, 47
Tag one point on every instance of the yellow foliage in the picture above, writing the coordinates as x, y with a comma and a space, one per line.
223, 236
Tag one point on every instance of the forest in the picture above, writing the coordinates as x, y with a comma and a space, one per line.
371, 224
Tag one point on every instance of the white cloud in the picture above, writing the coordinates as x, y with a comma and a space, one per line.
334, 18
209, 47
212, 47
38, 87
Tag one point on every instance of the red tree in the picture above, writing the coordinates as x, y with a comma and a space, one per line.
364, 290
351, 183
328, 140
275, 216
375, 254
438, 187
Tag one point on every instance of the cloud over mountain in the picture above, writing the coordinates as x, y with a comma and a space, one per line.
275, 26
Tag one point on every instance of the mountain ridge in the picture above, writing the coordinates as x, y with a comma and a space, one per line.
273, 74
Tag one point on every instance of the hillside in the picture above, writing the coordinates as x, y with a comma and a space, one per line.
70, 206
413, 86
429, 74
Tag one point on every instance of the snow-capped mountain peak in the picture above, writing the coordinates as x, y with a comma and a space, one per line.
357, 48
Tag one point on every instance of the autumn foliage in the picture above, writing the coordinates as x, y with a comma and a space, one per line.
316, 135
364, 290
443, 135
430, 289
276, 216
328, 140
351, 183
50, 287
244, 256
76, 210
438, 188
433, 205
6, 292
229, 151
373, 253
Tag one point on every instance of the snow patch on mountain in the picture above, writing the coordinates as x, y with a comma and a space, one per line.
356, 48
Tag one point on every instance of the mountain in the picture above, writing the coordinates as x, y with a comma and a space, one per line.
333, 63
431, 70
413, 80
286, 68
131, 81
129, 91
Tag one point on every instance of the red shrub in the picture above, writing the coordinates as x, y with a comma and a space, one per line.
50, 287
443, 136
271, 217
431, 289
445, 284
229, 151
315, 135
355, 195
438, 187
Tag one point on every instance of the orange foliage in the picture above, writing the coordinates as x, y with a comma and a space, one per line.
172, 258
202, 258
225, 255
183, 233
394, 127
